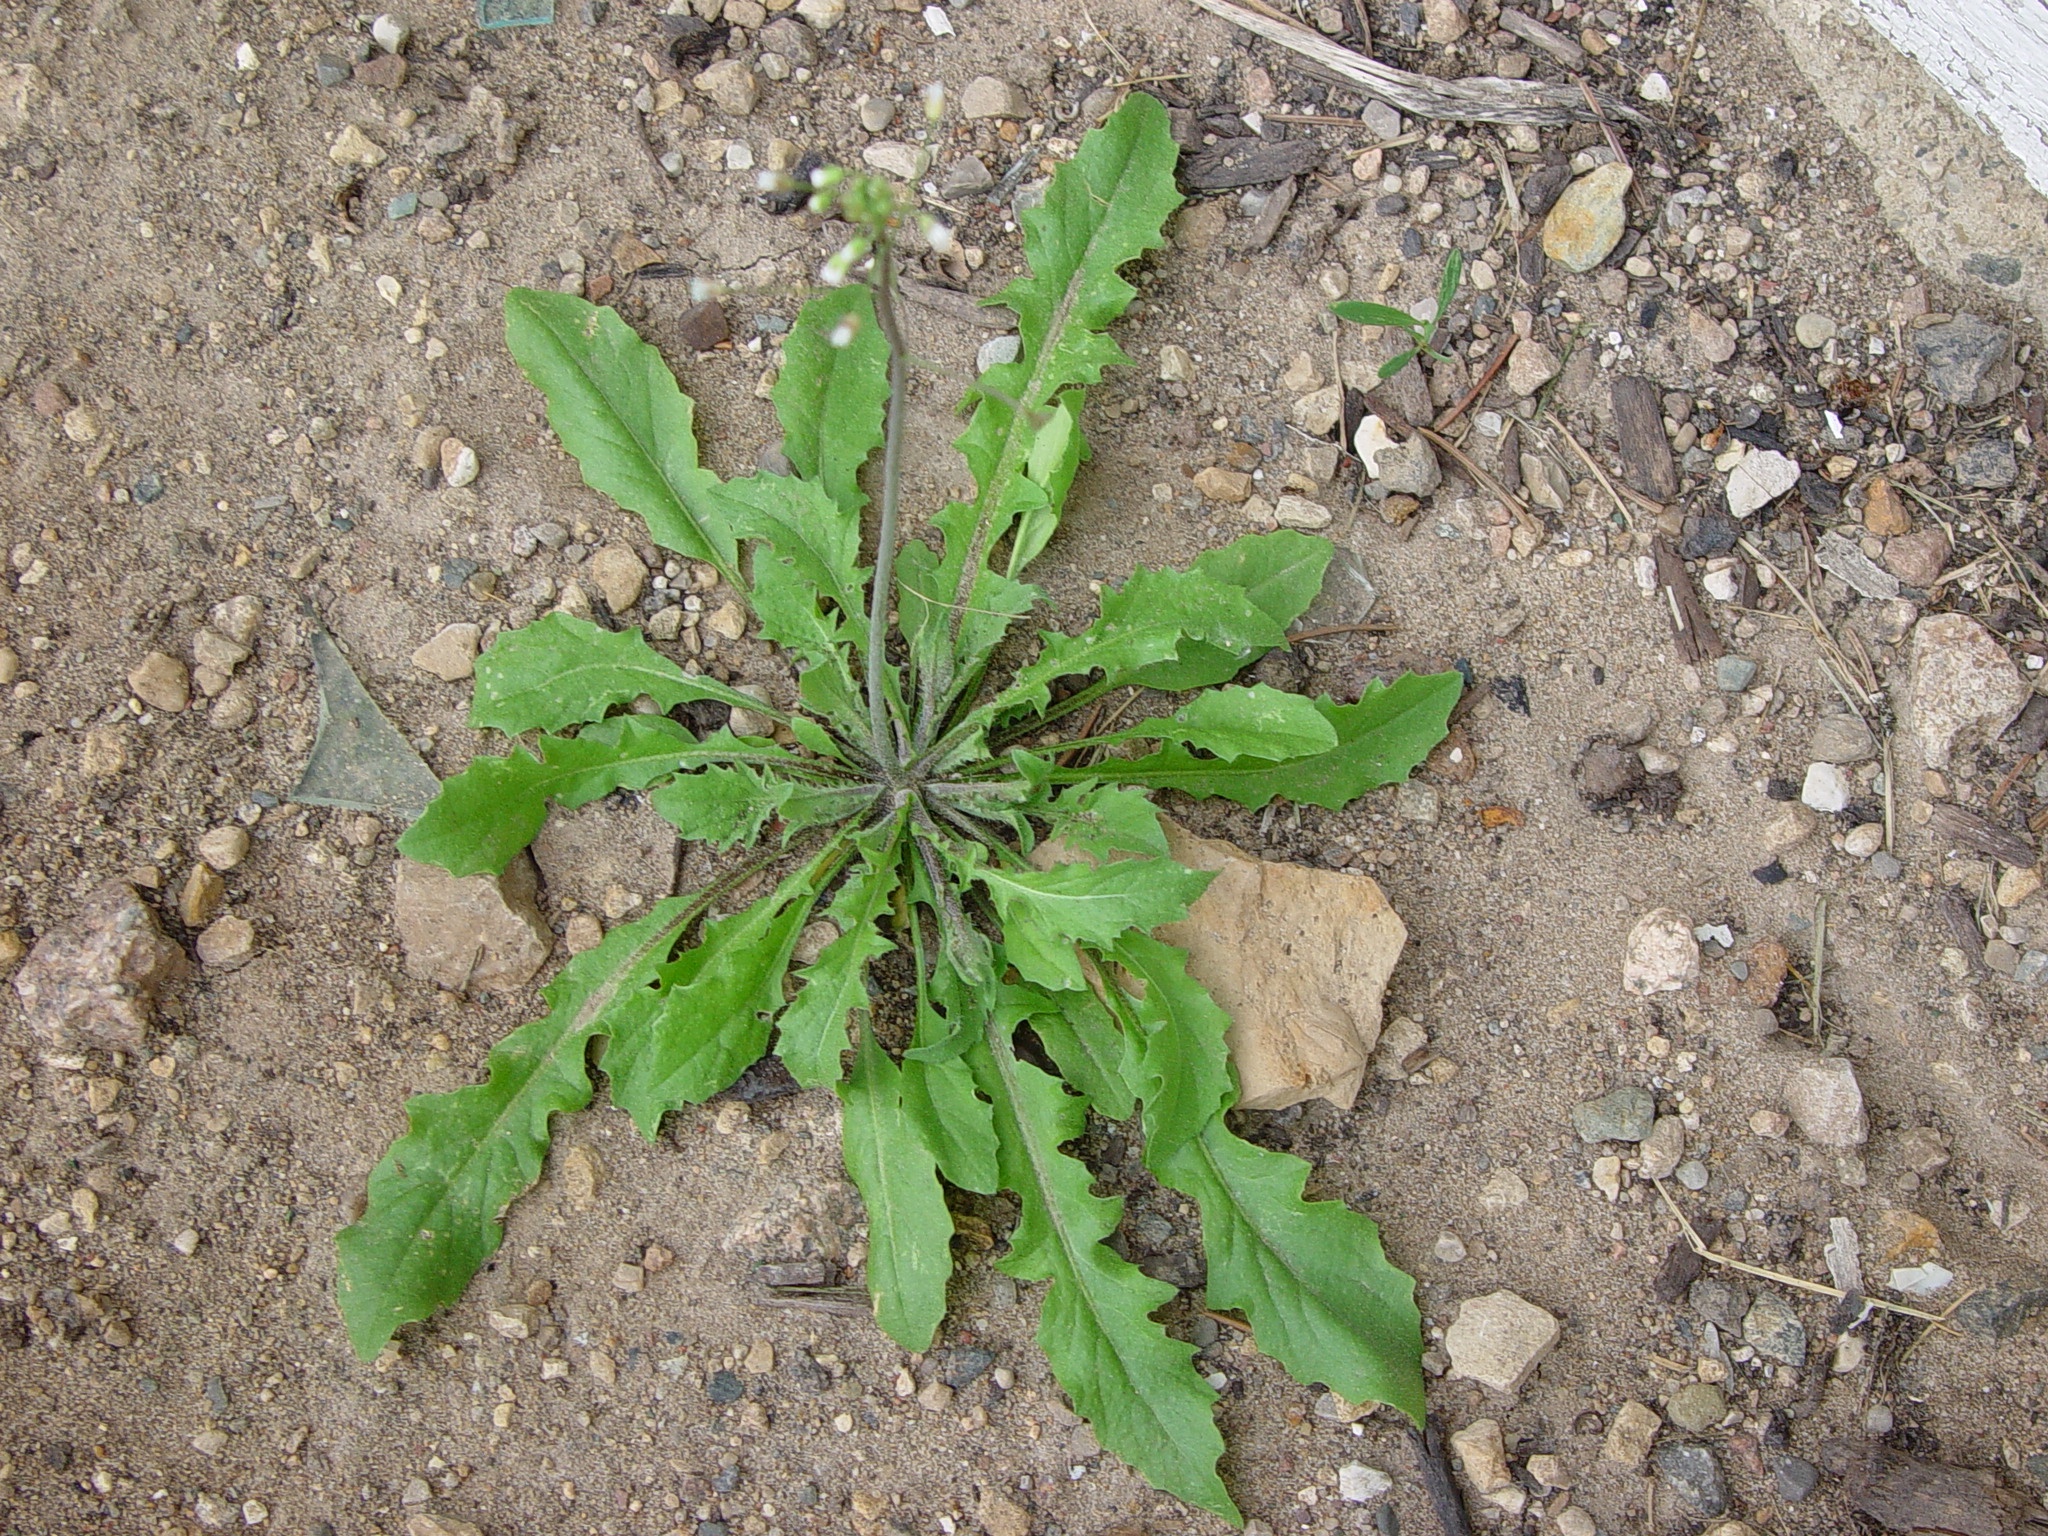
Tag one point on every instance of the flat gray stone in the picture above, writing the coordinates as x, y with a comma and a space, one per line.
1626, 1114
1499, 1339
1969, 361
1841, 739
1772, 1328
1694, 1478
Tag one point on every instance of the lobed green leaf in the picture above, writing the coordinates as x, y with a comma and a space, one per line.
707, 1020
1273, 575
1102, 820
615, 406
812, 1030
1136, 1386
561, 670
1045, 912
1231, 723
1380, 740
910, 1233
485, 814
435, 1200
1309, 1275
831, 399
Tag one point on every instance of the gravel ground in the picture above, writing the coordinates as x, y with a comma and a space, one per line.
244, 307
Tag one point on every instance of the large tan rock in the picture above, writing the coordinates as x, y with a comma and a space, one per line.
479, 932
93, 981
1299, 958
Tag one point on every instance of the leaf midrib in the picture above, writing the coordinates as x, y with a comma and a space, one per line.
645, 449
582, 1020
1056, 1219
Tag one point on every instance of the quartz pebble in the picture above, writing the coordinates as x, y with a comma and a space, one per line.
619, 577
1826, 789
229, 943
1360, 1484
1584, 225
1962, 679
451, 654
1629, 1435
224, 847
1499, 1339
162, 682
1825, 1102
458, 462
1761, 478
989, 96
1662, 954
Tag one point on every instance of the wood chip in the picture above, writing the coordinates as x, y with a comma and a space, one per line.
1645, 452
1267, 225
1903, 1494
1549, 39
1981, 836
1232, 163
1694, 632
1961, 917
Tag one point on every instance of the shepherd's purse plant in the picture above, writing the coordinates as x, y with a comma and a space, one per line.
899, 797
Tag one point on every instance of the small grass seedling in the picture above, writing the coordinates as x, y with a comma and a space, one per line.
1418, 329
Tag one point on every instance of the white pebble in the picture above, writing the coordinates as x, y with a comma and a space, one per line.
1826, 789
996, 351
936, 18
391, 33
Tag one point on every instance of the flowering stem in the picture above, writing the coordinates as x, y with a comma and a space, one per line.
886, 750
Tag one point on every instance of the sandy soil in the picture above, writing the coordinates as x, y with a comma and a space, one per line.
176, 260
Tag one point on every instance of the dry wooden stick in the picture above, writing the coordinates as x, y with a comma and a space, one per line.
1479, 476
1478, 99
1444, 421
1692, 1239
1601, 475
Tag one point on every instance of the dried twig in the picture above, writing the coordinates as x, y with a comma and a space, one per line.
1653, 507
1443, 422
1478, 99
1480, 477
1759, 1272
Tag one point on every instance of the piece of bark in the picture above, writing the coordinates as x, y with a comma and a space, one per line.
1232, 163
1904, 1494
1681, 1264
2029, 732
1542, 187
1961, 918
1692, 630
1549, 39
1981, 836
1476, 99
1645, 451
1267, 224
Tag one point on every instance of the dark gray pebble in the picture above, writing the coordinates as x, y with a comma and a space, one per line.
1795, 1478
1694, 1478
724, 1387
